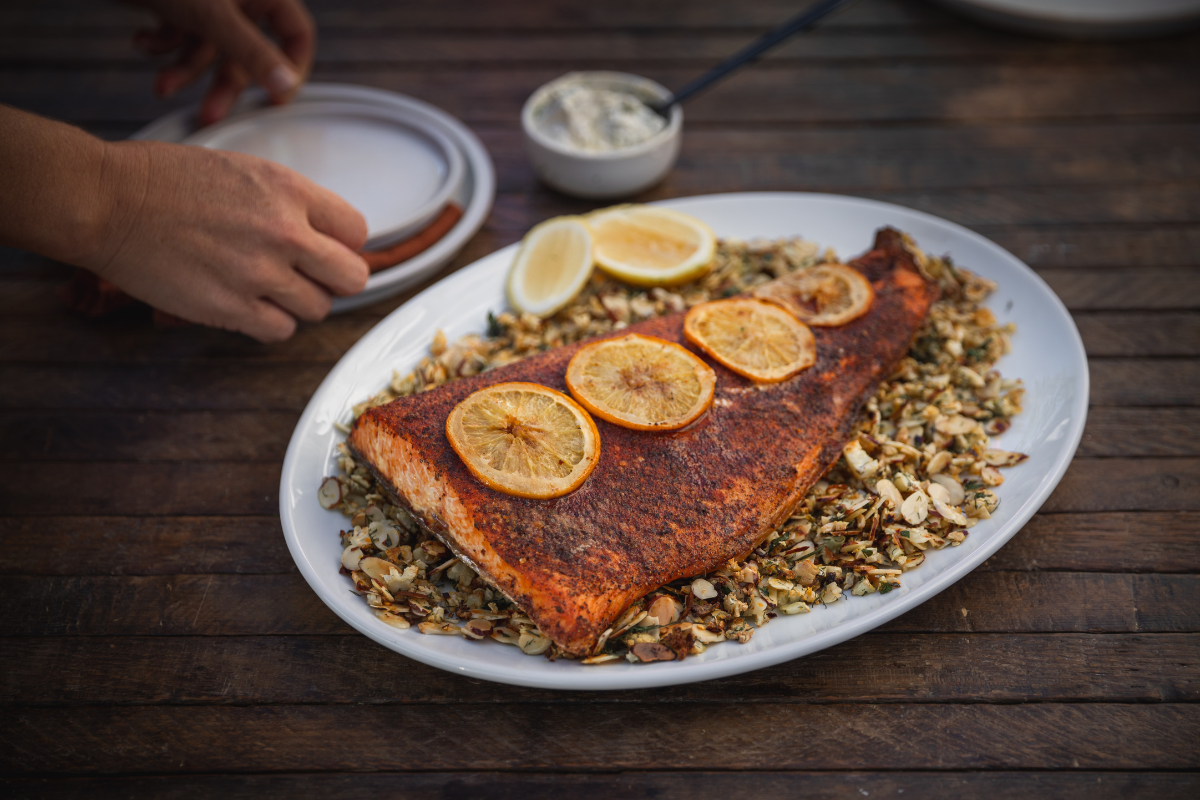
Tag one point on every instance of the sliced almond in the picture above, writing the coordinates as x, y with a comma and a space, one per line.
949, 512
915, 508
938, 463
957, 494
955, 425
1003, 458
664, 611
330, 493
703, 590
888, 491
859, 461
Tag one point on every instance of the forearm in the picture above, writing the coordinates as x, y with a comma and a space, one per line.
55, 200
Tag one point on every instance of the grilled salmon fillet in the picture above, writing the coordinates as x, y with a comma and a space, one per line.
659, 506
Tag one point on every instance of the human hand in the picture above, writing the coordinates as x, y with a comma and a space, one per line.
224, 239
226, 32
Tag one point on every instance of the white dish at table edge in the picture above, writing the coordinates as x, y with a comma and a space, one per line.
1084, 19
474, 194
1047, 354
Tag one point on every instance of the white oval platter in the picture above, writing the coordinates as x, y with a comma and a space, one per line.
1047, 354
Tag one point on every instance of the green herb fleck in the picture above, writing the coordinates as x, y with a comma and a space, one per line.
494, 328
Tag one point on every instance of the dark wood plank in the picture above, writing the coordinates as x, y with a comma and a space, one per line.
135, 740
658, 785
177, 386
1134, 334
1104, 542
232, 605
942, 668
1119, 484
146, 545
1089, 247
1144, 382
1140, 432
242, 605
1144, 603
1142, 288
148, 436
633, 48
61, 336
404, 15
811, 93
183, 487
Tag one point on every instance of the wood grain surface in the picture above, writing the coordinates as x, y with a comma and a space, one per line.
159, 641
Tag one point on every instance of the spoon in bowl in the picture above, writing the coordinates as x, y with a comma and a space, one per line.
805, 20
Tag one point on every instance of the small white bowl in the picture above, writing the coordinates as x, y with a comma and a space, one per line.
602, 175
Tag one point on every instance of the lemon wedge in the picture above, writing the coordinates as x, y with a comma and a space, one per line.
751, 337
551, 267
641, 382
524, 439
651, 246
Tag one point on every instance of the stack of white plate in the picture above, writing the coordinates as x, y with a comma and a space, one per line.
397, 160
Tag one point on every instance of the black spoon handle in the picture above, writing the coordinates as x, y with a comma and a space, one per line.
802, 21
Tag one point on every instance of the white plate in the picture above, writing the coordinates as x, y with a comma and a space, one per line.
1085, 19
398, 172
474, 194
1048, 355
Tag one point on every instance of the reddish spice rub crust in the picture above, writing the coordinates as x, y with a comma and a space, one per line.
659, 506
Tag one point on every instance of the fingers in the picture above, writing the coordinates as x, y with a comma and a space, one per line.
301, 297
297, 34
227, 84
334, 266
161, 40
196, 58
266, 322
333, 216
246, 46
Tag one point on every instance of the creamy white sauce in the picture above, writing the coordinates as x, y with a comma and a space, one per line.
596, 120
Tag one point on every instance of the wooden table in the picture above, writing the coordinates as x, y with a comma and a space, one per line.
157, 638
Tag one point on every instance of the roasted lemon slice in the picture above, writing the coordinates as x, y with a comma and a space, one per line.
651, 246
524, 439
826, 295
641, 382
552, 265
754, 339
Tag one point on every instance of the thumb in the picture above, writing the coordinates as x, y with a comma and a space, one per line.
243, 43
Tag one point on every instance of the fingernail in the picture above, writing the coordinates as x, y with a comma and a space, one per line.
281, 80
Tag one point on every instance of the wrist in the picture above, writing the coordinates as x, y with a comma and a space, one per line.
113, 203
53, 201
